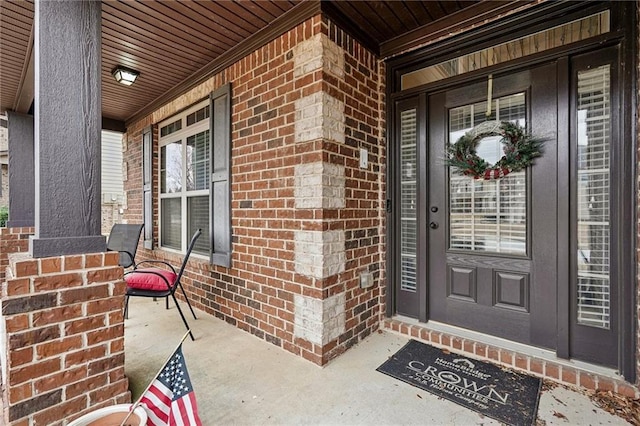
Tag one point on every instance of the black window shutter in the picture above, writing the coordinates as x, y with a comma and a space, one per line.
220, 184
147, 186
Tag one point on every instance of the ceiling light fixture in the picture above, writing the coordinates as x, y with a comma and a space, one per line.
124, 75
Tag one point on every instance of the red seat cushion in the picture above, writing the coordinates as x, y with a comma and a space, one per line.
143, 279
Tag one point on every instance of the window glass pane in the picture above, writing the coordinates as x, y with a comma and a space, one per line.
198, 211
171, 223
593, 196
561, 35
198, 116
170, 128
171, 168
198, 161
488, 215
408, 198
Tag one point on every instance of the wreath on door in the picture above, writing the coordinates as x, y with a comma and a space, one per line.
520, 148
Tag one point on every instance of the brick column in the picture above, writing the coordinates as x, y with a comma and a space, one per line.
62, 344
319, 191
12, 240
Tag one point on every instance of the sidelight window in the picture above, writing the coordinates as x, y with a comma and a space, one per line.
408, 190
594, 130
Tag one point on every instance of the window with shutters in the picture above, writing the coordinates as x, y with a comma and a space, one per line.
184, 179
194, 185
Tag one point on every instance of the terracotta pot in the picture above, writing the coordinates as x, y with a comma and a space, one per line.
112, 416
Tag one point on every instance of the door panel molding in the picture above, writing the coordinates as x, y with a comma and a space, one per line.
487, 261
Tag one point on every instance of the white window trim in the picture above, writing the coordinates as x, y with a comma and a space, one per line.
181, 136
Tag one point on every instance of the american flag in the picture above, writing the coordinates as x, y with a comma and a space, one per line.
170, 399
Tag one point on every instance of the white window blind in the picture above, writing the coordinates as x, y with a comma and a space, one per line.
593, 197
408, 199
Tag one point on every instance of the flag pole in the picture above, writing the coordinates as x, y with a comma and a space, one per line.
137, 403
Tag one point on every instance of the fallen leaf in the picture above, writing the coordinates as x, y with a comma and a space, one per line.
618, 405
559, 415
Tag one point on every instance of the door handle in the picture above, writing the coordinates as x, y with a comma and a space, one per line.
433, 225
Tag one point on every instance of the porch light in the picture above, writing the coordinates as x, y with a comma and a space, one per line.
124, 75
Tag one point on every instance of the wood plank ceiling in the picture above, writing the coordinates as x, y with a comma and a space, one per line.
173, 43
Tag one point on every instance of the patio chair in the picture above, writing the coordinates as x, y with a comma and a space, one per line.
124, 238
159, 282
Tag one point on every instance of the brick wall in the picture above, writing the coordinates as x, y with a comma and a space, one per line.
307, 220
110, 216
63, 337
12, 240
4, 196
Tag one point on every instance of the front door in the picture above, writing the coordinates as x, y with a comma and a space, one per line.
544, 256
492, 243
526, 257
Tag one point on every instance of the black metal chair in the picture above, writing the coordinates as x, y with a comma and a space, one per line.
124, 238
159, 282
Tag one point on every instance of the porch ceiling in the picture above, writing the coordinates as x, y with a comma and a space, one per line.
175, 44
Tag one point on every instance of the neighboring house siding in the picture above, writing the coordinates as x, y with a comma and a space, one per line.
112, 180
303, 107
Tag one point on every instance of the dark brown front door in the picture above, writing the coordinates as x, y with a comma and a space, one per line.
545, 256
492, 244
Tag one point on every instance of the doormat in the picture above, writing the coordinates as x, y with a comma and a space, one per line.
504, 395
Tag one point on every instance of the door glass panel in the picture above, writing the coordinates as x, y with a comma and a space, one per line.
593, 196
408, 199
488, 216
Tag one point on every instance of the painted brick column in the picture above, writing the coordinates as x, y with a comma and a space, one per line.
62, 340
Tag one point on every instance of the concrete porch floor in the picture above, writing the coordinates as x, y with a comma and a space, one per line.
242, 380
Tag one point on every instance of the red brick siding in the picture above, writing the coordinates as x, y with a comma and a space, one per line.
12, 240
64, 335
257, 293
363, 218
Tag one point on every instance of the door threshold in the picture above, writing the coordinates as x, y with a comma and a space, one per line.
517, 349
